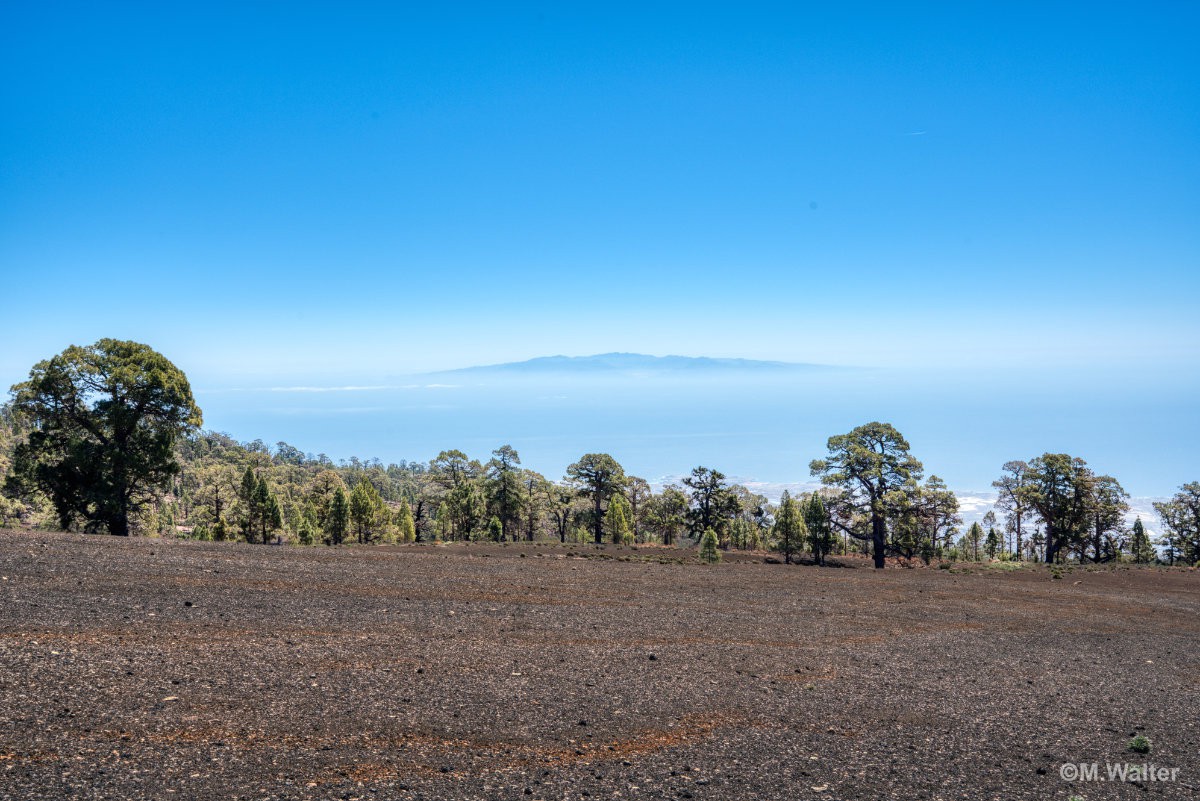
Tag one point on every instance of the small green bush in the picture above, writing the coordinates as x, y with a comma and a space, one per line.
1140, 745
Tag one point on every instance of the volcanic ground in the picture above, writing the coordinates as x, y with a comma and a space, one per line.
152, 669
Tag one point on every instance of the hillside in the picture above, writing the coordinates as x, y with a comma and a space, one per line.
149, 669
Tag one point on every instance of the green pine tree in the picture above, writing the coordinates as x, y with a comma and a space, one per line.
617, 520
166, 521
974, 538
306, 527
272, 517
709, 553
338, 521
247, 494
820, 529
366, 509
1140, 546
992, 545
495, 531
790, 529
445, 525
262, 509
406, 529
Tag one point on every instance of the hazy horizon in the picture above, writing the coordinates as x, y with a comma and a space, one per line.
760, 425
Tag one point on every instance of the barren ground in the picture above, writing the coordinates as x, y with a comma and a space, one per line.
150, 669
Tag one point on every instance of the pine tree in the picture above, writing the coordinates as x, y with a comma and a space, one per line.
366, 508
597, 476
339, 517
973, 539
617, 520
272, 517
495, 529
992, 545
445, 526
263, 513
105, 421
820, 530
1180, 518
709, 553
869, 464
1139, 544
406, 528
790, 530
247, 495
306, 528
504, 483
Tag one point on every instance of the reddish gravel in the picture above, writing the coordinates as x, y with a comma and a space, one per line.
150, 669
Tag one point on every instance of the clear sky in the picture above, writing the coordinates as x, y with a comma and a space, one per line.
316, 189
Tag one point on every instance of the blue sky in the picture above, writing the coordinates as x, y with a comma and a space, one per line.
305, 190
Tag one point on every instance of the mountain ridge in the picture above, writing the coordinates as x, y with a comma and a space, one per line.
632, 362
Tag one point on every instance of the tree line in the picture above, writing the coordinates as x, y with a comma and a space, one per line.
109, 438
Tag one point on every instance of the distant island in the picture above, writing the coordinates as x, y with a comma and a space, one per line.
633, 362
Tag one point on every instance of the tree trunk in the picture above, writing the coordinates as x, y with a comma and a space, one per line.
878, 533
1051, 545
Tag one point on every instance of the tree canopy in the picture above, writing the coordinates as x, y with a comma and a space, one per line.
597, 476
872, 466
105, 421
1181, 517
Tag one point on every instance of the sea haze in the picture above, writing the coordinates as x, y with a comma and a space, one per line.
759, 421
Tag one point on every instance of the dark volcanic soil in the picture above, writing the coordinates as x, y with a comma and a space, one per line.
150, 669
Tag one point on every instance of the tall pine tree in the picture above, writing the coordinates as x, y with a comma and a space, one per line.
1140, 547
617, 520
338, 520
820, 531
406, 529
790, 530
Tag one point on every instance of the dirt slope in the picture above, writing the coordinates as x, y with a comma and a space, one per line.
151, 669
